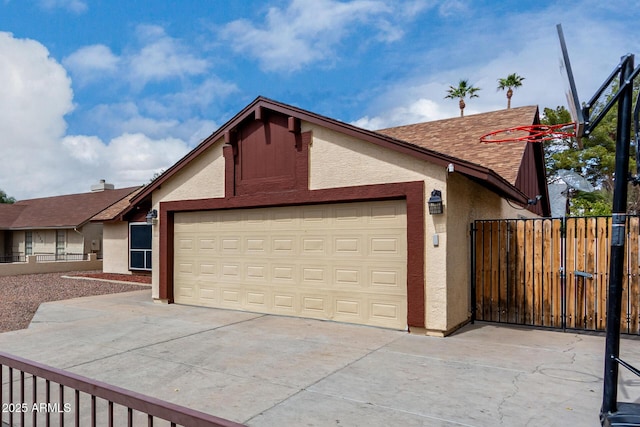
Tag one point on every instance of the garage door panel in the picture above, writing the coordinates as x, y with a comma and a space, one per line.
283, 273
313, 246
348, 277
345, 262
283, 245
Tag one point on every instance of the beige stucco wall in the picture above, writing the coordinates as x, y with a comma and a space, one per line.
468, 201
115, 247
89, 233
202, 179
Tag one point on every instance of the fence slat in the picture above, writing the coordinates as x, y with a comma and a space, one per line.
486, 284
570, 268
547, 273
479, 254
521, 271
558, 257
590, 267
624, 315
512, 282
632, 245
495, 271
503, 287
580, 281
604, 231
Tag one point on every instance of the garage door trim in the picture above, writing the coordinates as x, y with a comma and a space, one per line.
411, 192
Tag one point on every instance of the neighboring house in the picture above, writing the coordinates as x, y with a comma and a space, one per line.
127, 243
284, 211
56, 228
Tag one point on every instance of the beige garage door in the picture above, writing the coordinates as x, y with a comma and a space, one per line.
344, 262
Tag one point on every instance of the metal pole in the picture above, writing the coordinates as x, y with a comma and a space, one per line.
614, 301
473, 272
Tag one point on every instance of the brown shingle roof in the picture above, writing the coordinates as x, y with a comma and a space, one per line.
460, 137
113, 211
66, 211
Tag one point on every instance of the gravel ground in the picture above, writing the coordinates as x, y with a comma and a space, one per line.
21, 295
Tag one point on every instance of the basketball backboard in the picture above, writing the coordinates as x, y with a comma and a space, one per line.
575, 108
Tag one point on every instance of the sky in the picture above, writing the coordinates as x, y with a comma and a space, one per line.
120, 90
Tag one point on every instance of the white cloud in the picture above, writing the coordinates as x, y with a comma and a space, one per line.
38, 158
76, 6
162, 57
92, 62
310, 31
158, 57
126, 118
129, 159
453, 7
420, 110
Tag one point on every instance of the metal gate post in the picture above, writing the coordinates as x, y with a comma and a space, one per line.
614, 301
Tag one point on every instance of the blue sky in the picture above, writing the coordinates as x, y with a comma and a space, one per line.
120, 89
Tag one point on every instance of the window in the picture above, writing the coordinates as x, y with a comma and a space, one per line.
139, 246
28, 243
61, 239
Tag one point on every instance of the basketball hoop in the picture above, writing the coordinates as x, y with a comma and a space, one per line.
532, 133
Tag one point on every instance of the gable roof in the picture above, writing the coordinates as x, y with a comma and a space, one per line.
113, 212
460, 137
71, 210
416, 147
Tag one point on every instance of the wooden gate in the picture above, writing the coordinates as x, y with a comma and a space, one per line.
551, 272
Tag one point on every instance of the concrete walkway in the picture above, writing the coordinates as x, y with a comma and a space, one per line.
278, 371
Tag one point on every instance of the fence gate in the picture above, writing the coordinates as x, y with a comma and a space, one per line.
551, 272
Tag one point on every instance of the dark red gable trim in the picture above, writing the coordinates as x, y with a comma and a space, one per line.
257, 111
412, 192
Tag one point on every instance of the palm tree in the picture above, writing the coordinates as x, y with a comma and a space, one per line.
510, 83
463, 90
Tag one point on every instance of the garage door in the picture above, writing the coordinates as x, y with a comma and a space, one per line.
344, 262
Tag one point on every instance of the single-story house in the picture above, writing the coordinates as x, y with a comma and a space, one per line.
56, 228
285, 211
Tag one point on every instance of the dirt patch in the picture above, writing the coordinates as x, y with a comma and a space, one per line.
20, 296
134, 278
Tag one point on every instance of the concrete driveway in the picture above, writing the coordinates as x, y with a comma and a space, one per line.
265, 370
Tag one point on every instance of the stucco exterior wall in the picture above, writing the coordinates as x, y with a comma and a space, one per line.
203, 178
468, 201
115, 247
89, 233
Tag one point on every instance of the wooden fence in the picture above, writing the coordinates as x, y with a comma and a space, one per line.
551, 272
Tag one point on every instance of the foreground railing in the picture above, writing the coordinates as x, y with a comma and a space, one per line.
12, 258
60, 257
47, 387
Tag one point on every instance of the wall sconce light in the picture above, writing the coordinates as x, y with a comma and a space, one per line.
435, 203
151, 216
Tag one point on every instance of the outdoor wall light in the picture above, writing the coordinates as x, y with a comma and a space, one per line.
435, 203
153, 214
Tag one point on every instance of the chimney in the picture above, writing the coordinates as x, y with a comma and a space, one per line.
101, 186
